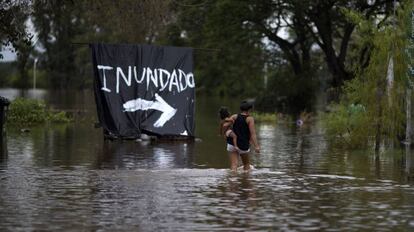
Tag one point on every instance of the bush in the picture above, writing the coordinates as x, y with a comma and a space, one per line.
30, 111
287, 93
348, 126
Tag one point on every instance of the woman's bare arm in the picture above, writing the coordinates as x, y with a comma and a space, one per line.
253, 137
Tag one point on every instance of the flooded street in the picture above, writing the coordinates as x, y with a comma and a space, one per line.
66, 177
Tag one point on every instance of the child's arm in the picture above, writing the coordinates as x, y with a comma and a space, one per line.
223, 127
253, 138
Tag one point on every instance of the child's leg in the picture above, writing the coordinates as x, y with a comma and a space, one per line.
234, 137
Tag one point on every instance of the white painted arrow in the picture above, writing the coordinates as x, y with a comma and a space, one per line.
159, 104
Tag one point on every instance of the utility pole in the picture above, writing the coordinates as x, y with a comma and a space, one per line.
34, 73
265, 78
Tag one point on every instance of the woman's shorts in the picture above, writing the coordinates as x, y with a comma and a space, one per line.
231, 148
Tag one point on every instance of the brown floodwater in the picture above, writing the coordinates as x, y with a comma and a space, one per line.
66, 177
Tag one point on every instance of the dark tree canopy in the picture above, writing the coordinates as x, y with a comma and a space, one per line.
296, 44
13, 15
321, 22
62, 24
235, 66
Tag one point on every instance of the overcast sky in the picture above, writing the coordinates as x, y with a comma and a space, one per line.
8, 55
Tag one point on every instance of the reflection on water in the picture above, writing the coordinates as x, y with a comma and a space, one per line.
201, 199
65, 177
409, 164
3, 149
145, 155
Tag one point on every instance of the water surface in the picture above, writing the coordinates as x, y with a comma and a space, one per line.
66, 177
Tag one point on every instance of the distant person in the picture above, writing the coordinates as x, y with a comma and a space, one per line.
226, 123
304, 117
245, 131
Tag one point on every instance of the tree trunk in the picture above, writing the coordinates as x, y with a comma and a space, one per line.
21, 66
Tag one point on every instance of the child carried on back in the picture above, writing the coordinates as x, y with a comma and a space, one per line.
226, 125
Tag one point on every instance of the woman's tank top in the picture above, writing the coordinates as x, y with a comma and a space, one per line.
241, 129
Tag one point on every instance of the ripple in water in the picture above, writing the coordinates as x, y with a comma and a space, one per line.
199, 200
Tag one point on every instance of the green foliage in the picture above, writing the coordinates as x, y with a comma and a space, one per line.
383, 117
13, 15
31, 111
59, 24
41, 78
348, 126
264, 117
13, 18
244, 35
235, 67
286, 92
58, 20
12, 78
60, 117
7, 70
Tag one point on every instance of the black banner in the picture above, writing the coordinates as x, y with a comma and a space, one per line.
144, 89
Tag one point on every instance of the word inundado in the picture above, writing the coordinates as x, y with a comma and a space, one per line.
160, 78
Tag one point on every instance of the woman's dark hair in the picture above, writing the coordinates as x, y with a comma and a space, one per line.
245, 106
224, 112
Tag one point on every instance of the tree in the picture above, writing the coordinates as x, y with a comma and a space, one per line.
62, 25
323, 22
273, 19
372, 109
24, 50
13, 18
13, 15
57, 23
334, 30
128, 21
229, 54
292, 83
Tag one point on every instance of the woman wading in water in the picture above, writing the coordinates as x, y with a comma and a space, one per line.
243, 127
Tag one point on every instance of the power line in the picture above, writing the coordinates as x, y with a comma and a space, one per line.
190, 5
201, 49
